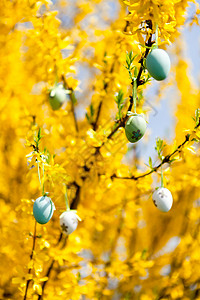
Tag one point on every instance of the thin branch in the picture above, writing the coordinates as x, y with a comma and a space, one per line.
76, 199
165, 160
122, 122
31, 257
98, 115
73, 205
94, 124
46, 275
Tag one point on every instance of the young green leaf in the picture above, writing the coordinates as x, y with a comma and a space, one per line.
197, 116
90, 115
150, 162
119, 99
159, 147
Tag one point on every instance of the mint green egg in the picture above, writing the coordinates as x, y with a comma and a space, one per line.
135, 128
158, 64
43, 209
57, 97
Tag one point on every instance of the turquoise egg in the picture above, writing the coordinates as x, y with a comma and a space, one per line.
57, 97
135, 128
43, 209
158, 64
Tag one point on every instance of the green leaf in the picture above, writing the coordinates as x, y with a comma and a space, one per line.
73, 98
90, 115
150, 162
127, 296
87, 116
91, 110
143, 255
136, 72
129, 59
104, 59
39, 133
119, 99
197, 116
144, 46
172, 160
159, 147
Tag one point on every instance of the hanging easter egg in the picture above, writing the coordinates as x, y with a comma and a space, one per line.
162, 199
43, 209
68, 221
57, 97
135, 128
158, 64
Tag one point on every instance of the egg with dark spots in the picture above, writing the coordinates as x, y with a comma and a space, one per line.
162, 199
135, 128
68, 222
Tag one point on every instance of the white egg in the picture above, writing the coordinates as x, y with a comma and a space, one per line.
162, 199
68, 221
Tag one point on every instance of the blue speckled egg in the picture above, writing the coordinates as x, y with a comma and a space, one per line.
158, 64
135, 128
57, 97
43, 209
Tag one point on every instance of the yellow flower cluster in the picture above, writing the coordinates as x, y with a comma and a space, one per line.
167, 14
124, 247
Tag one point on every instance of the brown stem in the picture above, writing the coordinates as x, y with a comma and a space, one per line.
31, 257
98, 115
76, 199
46, 275
73, 205
101, 102
122, 122
166, 159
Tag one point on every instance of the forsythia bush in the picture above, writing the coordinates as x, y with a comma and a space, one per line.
72, 75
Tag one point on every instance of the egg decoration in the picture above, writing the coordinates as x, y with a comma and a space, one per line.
57, 97
162, 199
135, 128
68, 221
158, 64
43, 209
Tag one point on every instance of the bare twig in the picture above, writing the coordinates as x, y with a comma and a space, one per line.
98, 115
166, 159
46, 275
94, 124
31, 257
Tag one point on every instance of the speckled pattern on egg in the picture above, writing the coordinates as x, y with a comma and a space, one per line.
135, 128
162, 199
68, 222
